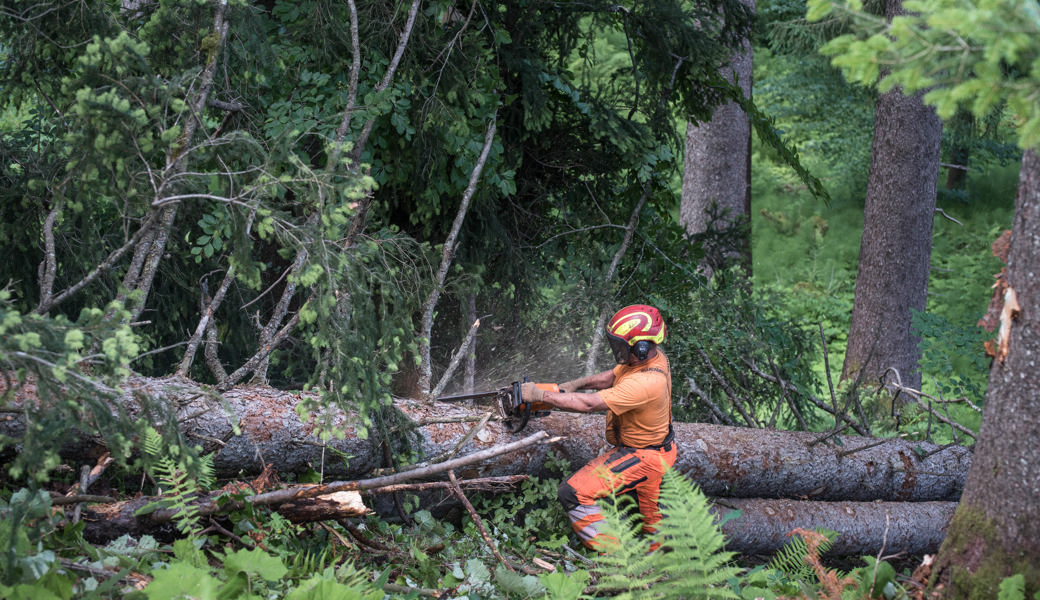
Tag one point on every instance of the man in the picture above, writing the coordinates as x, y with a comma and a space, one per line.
636, 395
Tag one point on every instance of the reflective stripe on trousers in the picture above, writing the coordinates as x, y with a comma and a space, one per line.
621, 470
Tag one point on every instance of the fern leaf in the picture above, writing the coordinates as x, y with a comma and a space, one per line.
790, 559
695, 564
625, 568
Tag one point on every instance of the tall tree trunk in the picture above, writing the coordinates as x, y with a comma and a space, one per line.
717, 170
996, 529
892, 278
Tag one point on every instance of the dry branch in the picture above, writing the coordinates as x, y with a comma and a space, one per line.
447, 257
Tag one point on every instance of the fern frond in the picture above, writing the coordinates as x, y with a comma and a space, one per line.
625, 569
695, 564
173, 477
790, 559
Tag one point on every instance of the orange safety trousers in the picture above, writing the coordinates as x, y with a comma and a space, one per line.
619, 471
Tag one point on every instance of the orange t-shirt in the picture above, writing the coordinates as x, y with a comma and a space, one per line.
639, 403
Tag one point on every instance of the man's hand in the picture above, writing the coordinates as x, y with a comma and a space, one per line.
574, 385
530, 392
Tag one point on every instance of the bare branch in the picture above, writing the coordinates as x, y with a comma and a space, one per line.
150, 250
463, 351
839, 415
352, 87
733, 395
447, 256
917, 394
48, 300
402, 43
206, 324
476, 519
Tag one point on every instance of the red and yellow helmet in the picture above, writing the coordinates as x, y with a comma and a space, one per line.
632, 325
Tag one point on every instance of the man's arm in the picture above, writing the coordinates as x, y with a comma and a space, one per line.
599, 381
576, 401
569, 399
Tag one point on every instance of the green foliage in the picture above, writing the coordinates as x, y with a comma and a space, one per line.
693, 563
830, 121
76, 367
976, 57
25, 522
180, 479
790, 559
953, 356
523, 514
1014, 588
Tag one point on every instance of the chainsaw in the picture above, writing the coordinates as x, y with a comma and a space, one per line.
510, 407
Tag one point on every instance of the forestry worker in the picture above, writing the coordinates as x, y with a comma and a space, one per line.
636, 395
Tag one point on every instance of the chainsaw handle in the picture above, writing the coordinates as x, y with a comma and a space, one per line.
522, 410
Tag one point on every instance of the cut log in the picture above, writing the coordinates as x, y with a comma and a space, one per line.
724, 461
913, 528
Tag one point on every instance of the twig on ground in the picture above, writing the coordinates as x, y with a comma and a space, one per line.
81, 498
484, 484
476, 520
361, 538
577, 555
214, 526
394, 588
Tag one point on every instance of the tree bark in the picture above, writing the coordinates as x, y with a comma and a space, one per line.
996, 530
717, 165
896, 247
762, 527
724, 461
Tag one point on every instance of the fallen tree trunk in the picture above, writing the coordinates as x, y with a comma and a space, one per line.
724, 461
764, 525
751, 525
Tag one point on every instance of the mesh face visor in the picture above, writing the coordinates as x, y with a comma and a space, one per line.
619, 346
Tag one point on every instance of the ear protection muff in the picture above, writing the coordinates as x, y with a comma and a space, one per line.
642, 349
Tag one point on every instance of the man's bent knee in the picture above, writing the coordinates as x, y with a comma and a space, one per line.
568, 496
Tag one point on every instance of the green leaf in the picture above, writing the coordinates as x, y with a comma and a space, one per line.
182, 580
255, 561
565, 586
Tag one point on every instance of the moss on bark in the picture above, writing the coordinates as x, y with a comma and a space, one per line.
974, 559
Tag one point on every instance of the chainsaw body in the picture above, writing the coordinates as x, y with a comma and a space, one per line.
515, 412
509, 405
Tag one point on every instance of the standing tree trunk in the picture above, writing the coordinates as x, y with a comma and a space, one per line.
995, 532
894, 255
717, 171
